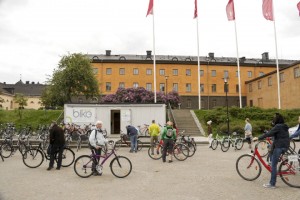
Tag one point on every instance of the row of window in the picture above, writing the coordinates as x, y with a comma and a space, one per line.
162, 87
281, 79
162, 72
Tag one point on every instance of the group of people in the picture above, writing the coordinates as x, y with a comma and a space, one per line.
281, 141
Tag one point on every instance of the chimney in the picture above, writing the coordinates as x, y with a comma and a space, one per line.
32, 82
4, 83
211, 55
107, 52
242, 59
149, 54
265, 57
27, 82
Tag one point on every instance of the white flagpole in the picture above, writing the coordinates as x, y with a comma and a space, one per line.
199, 83
238, 64
154, 59
199, 86
277, 65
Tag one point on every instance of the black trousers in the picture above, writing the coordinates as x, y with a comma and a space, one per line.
168, 147
56, 149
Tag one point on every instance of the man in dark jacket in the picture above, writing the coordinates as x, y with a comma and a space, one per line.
280, 144
57, 141
132, 133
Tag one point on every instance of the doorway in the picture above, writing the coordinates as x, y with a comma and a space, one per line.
115, 121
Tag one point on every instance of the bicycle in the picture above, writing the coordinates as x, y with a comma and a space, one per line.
120, 166
188, 142
180, 151
124, 139
144, 130
216, 141
249, 167
236, 142
34, 157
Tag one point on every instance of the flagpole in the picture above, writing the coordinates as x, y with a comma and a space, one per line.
238, 64
277, 65
154, 58
198, 57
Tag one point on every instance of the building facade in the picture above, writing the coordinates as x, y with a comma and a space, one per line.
180, 73
32, 91
263, 91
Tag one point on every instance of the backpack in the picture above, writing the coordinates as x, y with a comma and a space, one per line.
169, 133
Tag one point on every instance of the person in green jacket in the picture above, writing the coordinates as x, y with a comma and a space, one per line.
154, 131
168, 136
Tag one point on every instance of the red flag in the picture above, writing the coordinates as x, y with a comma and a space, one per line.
298, 5
195, 11
150, 8
230, 10
267, 8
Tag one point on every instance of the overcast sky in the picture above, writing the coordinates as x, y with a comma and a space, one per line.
34, 34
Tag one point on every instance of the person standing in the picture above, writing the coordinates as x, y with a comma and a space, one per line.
132, 132
154, 131
168, 136
280, 145
57, 142
209, 133
248, 133
96, 142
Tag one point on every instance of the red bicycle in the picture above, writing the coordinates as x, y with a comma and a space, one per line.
249, 167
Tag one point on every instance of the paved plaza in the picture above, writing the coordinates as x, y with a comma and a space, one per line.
208, 175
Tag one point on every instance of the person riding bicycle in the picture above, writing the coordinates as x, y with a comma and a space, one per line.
96, 141
168, 136
154, 131
280, 145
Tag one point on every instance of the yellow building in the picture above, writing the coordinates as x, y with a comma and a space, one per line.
263, 91
32, 91
180, 73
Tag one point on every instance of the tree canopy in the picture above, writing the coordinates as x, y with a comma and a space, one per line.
73, 77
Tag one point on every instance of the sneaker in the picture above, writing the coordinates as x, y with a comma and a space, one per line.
57, 168
152, 153
157, 152
170, 161
268, 185
130, 151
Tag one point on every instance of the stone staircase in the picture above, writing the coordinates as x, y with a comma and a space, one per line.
186, 121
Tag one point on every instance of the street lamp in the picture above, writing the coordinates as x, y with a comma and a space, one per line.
226, 91
166, 77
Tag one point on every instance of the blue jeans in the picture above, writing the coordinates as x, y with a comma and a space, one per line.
133, 143
274, 158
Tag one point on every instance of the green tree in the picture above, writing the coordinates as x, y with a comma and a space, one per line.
73, 77
22, 101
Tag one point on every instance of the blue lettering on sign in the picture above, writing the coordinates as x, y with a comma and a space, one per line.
82, 113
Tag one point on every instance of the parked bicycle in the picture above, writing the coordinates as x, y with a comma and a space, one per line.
144, 130
120, 166
249, 167
34, 157
236, 141
216, 141
189, 142
124, 140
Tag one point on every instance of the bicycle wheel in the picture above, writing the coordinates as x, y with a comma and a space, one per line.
214, 144
292, 144
68, 157
157, 151
194, 143
33, 158
248, 167
239, 143
192, 149
22, 148
140, 145
181, 152
7, 150
118, 144
263, 148
225, 145
290, 173
120, 166
83, 166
